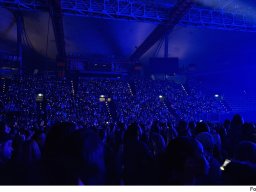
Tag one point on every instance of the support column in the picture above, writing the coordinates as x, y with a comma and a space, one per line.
166, 45
20, 26
55, 11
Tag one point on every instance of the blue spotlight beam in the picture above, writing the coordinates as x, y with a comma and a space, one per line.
143, 11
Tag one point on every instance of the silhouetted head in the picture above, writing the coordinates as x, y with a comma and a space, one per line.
237, 120
56, 138
226, 124
246, 151
186, 161
85, 157
182, 128
192, 126
6, 148
133, 132
249, 132
201, 127
4, 128
155, 127
207, 141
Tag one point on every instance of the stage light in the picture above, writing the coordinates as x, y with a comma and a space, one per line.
216, 95
102, 99
160, 96
39, 97
102, 96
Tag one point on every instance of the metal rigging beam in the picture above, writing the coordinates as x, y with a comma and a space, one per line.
220, 17
176, 14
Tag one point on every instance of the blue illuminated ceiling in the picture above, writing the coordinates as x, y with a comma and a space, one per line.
97, 37
217, 14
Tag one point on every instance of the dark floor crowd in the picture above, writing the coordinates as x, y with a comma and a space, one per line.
103, 132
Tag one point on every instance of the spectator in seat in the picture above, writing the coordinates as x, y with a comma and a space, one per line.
214, 176
246, 151
185, 162
183, 129
138, 165
239, 173
6, 151
84, 158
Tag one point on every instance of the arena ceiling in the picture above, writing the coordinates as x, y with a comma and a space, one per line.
205, 47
